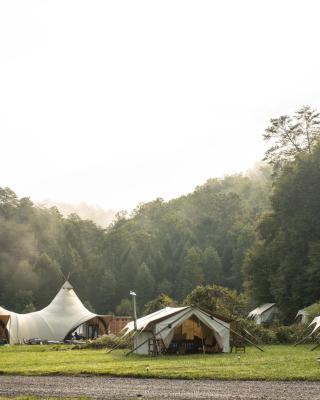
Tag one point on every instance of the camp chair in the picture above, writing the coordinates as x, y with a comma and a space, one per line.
238, 345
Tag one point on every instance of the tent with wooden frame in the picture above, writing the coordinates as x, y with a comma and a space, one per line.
56, 321
180, 330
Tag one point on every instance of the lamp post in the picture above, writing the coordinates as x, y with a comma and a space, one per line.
133, 294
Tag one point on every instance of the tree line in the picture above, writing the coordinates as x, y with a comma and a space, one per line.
257, 235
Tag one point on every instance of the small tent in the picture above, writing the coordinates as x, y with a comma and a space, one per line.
56, 321
264, 313
302, 316
180, 329
315, 323
305, 315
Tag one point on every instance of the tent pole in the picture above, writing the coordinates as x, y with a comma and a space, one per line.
246, 339
166, 327
203, 347
302, 340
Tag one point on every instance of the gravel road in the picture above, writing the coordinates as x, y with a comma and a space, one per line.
130, 388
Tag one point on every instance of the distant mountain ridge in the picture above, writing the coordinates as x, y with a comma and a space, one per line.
85, 211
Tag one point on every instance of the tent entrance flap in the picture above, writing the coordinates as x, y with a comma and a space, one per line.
4, 333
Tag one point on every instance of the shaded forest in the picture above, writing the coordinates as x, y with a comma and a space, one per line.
258, 235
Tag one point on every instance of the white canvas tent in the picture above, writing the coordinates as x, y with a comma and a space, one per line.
264, 313
316, 323
54, 322
184, 324
302, 316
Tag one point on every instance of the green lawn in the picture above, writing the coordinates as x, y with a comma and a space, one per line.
276, 363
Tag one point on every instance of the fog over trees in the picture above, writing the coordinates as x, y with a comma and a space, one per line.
96, 214
258, 235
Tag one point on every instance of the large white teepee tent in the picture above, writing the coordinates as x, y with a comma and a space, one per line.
54, 322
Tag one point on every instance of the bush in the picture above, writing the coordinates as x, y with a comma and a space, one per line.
273, 334
217, 299
157, 304
106, 341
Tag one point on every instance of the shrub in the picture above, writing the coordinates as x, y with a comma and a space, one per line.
217, 299
106, 341
273, 334
157, 304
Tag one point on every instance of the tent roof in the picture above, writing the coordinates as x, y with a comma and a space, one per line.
261, 309
303, 312
166, 314
4, 319
306, 310
316, 323
143, 322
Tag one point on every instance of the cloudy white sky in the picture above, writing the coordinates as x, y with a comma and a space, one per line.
119, 102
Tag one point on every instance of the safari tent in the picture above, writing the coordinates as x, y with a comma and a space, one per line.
55, 322
180, 330
264, 313
302, 316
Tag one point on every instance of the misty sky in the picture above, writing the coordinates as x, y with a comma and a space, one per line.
119, 102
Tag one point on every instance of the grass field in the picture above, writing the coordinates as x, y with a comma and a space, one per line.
276, 363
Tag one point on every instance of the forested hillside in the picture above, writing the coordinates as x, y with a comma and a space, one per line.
164, 247
257, 234
284, 263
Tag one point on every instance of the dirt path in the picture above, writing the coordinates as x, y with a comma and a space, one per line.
130, 388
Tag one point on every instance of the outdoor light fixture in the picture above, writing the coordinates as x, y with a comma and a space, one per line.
133, 294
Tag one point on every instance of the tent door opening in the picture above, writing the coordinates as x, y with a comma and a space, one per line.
89, 330
193, 336
4, 333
